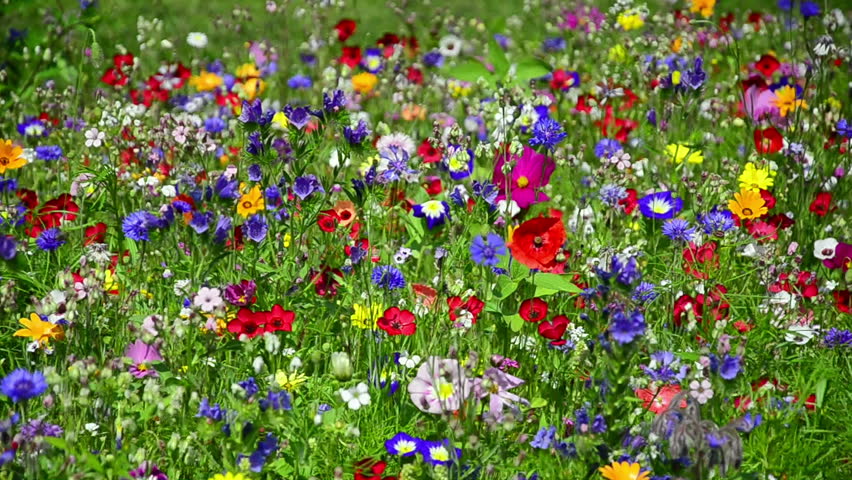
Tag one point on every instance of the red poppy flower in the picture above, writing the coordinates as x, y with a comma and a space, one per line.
279, 320
472, 307
725, 22
28, 197
781, 221
424, 294
763, 231
351, 56
537, 243
533, 310
768, 140
429, 153
52, 214
554, 329
95, 234
755, 18
116, 76
682, 306
345, 28
388, 40
767, 65
713, 303
563, 80
415, 76
370, 469
326, 283
658, 400
843, 301
697, 260
248, 323
328, 220
584, 103
397, 322
821, 204
433, 186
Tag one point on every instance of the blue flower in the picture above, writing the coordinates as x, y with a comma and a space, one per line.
136, 225
402, 444
599, 424
255, 228
201, 221
276, 401
372, 60
545, 438
357, 135
255, 173
438, 453
434, 211
388, 277
48, 152
834, 337
716, 222
749, 422
486, 250
624, 329
255, 144
553, 44
459, 162
335, 102
433, 59
306, 185
214, 125
843, 128
809, 9
547, 132
8, 247
610, 194
300, 81
607, 147
215, 413
33, 127
678, 230
660, 205
730, 367
50, 239
250, 387
644, 292
223, 229
22, 385
252, 112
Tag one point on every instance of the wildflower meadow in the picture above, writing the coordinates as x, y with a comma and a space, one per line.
422, 239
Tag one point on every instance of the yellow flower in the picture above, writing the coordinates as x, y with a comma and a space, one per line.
252, 87
705, 7
39, 330
630, 21
678, 152
290, 381
206, 81
287, 239
617, 53
364, 82
785, 100
747, 204
10, 156
281, 121
677, 44
365, 317
755, 179
247, 70
229, 476
458, 89
110, 281
251, 203
623, 471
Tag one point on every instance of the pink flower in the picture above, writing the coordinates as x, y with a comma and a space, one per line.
760, 103
440, 386
141, 353
530, 172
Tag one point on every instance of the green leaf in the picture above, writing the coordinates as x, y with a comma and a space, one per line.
820, 391
93, 463
505, 287
56, 442
497, 58
531, 68
515, 322
538, 402
552, 281
414, 227
469, 71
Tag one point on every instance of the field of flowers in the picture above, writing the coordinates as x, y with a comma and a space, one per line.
307, 240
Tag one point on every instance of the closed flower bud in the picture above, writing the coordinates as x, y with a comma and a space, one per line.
341, 366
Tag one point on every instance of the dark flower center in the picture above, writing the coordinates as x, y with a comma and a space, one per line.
538, 241
4, 161
246, 204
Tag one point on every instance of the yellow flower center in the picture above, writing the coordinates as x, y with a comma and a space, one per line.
523, 182
445, 390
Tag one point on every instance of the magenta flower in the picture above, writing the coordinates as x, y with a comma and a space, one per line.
141, 354
531, 172
241, 294
760, 103
440, 386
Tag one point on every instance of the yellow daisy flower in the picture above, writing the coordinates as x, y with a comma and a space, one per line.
39, 330
755, 179
364, 82
365, 317
10, 156
747, 204
678, 152
623, 471
251, 203
785, 100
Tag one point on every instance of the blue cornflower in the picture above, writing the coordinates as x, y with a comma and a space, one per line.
50, 239
607, 148
48, 152
306, 185
716, 222
835, 337
730, 367
22, 385
547, 132
250, 387
809, 9
214, 125
486, 250
545, 438
624, 329
660, 205
553, 44
388, 277
255, 173
255, 228
357, 135
678, 230
644, 292
136, 225
223, 229
433, 59
300, 81
610, 194
8, 247
749, 422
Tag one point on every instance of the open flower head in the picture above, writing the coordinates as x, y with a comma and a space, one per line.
40, 330
623, 471
747, 204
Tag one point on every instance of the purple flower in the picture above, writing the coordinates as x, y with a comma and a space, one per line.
809, 9
215, 413
495, 384
223, 229
200, 221
660, 205
50, 239
607, 148
299, 117
544, 439
355, 136
547, 132
749, 422
335, 102
433, 59
255, 228
48, 152
486, 250
148, 471
39, 428
255, 173
241, 294
276, 401
136, 225
214, 125
300, 81
599, 424
33, 127
8, 247
624, 329
716, 221
252, 112
306, 185
438, 453
141, 354
730, 367
610, 194
255, 145
22, 385
835, 337
441, 385
678, 230
388, 277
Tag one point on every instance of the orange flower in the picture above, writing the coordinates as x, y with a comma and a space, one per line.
10, 156
345, 211
747, 204
39, 330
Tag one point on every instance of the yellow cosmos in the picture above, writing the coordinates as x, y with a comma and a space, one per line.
251, 203
704, 7
747, 204
623, 471
39, 330
10, 156
365, 317
785, 100
206, 81
364, 82
755, 179
678, 152
290, 381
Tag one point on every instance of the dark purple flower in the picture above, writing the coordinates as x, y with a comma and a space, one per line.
201, 221
335, 102
255, 228
50, 239
241, 294
255, 144
304, 186
355, 136
252, 112
730, 367
223, 229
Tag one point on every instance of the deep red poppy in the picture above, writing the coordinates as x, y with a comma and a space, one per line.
328, 220
28, 197
554, 329
698, 259
682, 306
279, 320
429, 153
630, 202
248, 323
781, 221
537, 243
768, 140
767, 65
95, 234
459, 308
713, 303
533, 310
414, 75
843, 301
326, 283
584, 103
563, 80
345, 28
433, 186
397, 322
821, 204
350, 56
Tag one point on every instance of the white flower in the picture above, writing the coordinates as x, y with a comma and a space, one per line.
824, 249
207, 299
399, 140
196, 39
355, 397
508, 208
702, 392
450, 46
94, 137
91, 428
168, 191
408, 362
801, 334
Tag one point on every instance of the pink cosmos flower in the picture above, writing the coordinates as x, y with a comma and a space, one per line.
440, 386
141, 353
531, 172
760, 103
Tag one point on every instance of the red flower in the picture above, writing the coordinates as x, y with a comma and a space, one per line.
563, 80
767, 65
328, 220
537, 243
279, 320
52, 214
28, 197
713, 301
345, 28
326, 283
658, 400
370, 469
584, 103
533, 310
781, 221
116, 76
554, 329
415, 76
388, 40
433, 186
768, 199
472, 307
95, 234
429, 153
697, 260
768, 140
424, 294
682, 306
397, 322
763, 231
821, 204
843, 301
630, 202
351, 56
248, 323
